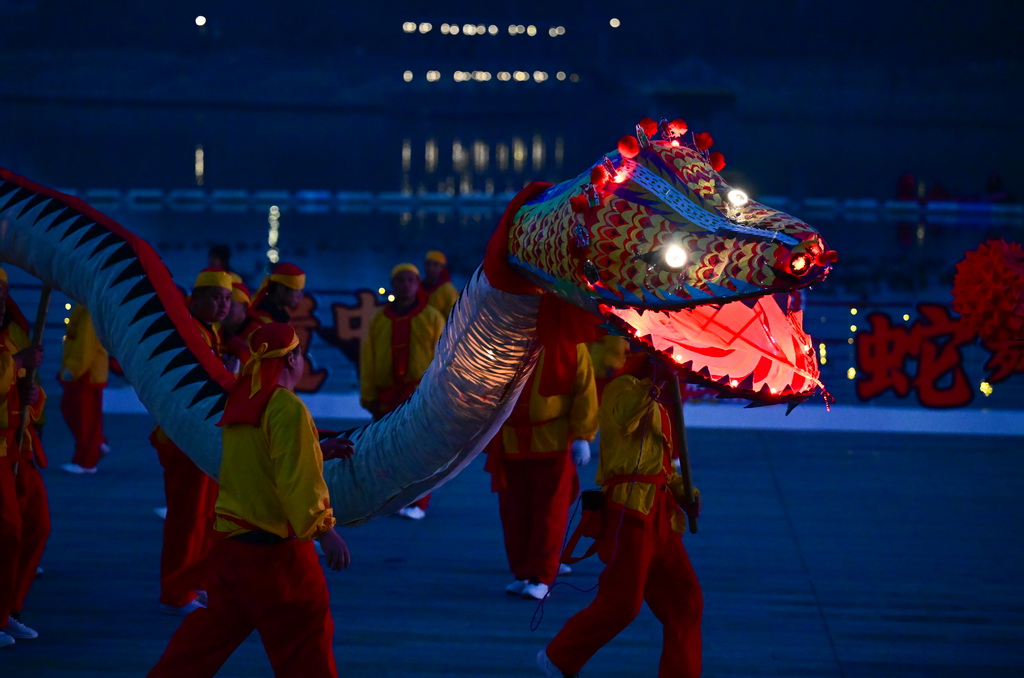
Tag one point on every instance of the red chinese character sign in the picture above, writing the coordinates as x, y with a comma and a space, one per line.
925, 357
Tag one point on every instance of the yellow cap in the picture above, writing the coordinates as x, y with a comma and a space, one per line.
404, 267
438, 256
213, 277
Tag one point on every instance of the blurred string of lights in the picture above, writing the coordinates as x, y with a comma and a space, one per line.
472, 161
274, 223
491, 30
500, 76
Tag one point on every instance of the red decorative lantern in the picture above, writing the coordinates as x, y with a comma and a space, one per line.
703, 141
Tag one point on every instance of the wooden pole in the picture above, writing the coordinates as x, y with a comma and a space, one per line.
679, 433
30, 373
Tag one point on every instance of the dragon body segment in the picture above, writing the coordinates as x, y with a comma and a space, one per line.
648, 240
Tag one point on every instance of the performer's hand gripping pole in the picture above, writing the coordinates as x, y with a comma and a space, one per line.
679, 434
30, 373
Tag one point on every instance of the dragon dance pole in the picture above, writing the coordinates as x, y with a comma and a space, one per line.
679, 430
30, 373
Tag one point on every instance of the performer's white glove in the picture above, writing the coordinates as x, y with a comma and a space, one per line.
580, 452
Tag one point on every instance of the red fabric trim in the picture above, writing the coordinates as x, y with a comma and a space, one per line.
156, 271
499, 273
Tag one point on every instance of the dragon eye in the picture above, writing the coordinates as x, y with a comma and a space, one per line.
738, 198
675, 256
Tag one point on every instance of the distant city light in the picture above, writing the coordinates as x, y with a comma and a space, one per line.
381, 290
407, 76
560, 75
492, 29
274, 222
425, 27
853, 311
200, 165
454, 29
433, 76
200, 21
409, 27
67, 307
469, 29
391, 297
851, 373
531, 31
574, 78
614, 23
906, 317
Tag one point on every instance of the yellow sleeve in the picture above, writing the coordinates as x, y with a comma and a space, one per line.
583, 414
298, 469
368, 389
82, 350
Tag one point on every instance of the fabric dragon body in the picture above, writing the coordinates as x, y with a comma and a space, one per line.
649, 242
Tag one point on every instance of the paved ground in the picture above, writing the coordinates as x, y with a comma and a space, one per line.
822, 554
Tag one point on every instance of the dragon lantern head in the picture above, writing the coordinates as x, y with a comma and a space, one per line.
655, 241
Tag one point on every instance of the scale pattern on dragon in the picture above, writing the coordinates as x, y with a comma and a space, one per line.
651, 240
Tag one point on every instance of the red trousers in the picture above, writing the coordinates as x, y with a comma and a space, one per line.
649, 564
277, 589
188, 528
82, 407
24, 529
534, 509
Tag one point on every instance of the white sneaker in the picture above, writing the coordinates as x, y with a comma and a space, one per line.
564, 569
180, 611
16, 629
516, 587
5, 640
549, 669
537, 591
162, 512
77, 470
413, 513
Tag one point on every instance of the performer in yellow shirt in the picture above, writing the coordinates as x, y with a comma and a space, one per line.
533, 462
273, 501
641, 545
437, 283
24, 509
396, 352
84, 368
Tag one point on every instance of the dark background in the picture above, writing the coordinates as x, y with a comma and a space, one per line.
804, 98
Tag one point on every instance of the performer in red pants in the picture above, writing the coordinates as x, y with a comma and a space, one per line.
24, 510
640, 542
190, 493
273, 501
84, 368
533, 462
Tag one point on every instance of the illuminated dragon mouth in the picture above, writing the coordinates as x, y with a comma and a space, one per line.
753, 348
